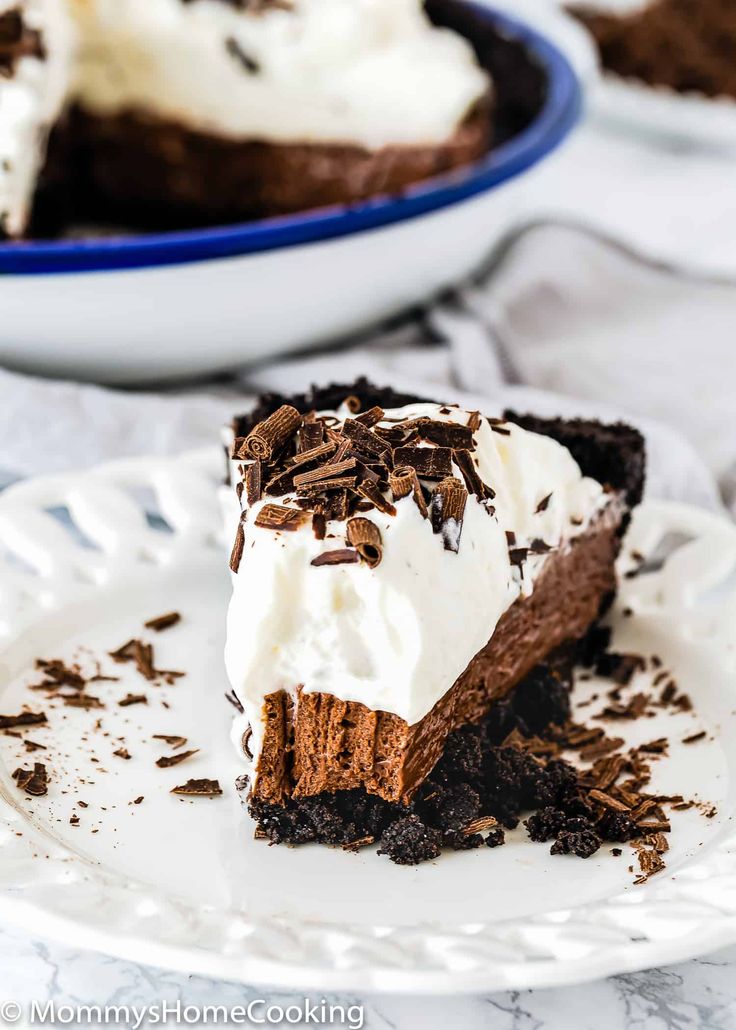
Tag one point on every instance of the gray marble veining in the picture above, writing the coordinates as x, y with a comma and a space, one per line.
700, 994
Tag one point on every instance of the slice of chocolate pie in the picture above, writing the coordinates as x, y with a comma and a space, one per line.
399, 567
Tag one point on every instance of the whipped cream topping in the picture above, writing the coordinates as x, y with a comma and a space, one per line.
396, 637
369, 72
31, 98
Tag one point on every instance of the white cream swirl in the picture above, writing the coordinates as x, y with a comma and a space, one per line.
396, 637
31, 99
370, 72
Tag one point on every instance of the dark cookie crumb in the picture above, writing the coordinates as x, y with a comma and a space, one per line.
408, 841
495, 838
582, 843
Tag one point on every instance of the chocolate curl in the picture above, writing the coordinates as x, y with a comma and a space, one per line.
269, 436
404, 481
448, 507
352, 403
365, 537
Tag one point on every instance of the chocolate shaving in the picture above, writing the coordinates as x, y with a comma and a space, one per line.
24, 719
173, 740
607, 801
319, 525
303, 458
328, 486
277, 517
342, 556
33, 781
235, 49
234, 701
655, 747
269, 436
371, 417
246, 742
140, 654
199, 788
619, 667
446, 434
324, 475
32, 745
122, 752
365, 537
60, 673
254, 482
335, 505
364, 440
429, 462
634, 708
447, 509
162, 622
694, 737
166, 761
236, 555
132, 699
473, 482
543, 504
85, 701
311, 435
371, 492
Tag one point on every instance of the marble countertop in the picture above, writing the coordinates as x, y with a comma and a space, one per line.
699, 994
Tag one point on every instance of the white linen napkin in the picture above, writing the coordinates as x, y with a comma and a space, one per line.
49, 426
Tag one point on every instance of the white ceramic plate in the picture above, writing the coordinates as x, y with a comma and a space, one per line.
183, 884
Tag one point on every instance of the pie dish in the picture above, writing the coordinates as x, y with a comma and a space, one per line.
129, 307
295, 104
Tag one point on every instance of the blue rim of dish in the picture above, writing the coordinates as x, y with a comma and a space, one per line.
557, 117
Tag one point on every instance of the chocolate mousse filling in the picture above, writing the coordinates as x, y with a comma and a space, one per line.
324, 744
316, 745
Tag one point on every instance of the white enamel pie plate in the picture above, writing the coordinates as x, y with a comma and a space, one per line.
142, 308
183, 884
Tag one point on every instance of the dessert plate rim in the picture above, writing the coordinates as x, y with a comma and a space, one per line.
61, 894
558, 116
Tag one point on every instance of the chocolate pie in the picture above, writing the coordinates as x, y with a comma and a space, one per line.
401, 568
170, 113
